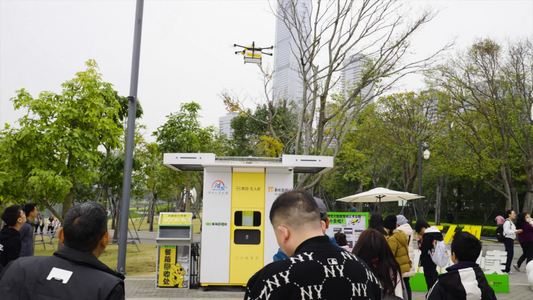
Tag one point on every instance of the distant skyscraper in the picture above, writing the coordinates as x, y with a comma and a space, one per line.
287, 81
224, 124
352, 74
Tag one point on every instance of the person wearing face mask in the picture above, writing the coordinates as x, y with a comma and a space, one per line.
523, 221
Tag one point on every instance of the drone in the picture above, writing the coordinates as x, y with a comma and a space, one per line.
252, 54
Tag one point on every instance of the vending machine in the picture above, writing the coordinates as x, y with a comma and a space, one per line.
237, 236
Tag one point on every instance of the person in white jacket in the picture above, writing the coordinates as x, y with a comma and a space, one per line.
403, 225
509, 232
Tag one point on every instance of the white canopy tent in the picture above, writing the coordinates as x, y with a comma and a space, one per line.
379, 195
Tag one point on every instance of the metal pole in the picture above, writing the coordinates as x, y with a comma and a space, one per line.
126, 187
420, 207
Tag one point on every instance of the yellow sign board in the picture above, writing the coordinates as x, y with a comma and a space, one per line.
175, 219
167, 256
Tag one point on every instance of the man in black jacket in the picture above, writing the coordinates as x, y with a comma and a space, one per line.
315, 268
26, 231
429, 234
74, 271
10, 242
465, 279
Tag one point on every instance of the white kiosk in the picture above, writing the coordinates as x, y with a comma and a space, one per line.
237, 237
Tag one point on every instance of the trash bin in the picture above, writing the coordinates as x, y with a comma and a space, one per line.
174, 241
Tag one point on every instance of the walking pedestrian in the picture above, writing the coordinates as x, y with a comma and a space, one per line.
509, 232
51, 224
525, 238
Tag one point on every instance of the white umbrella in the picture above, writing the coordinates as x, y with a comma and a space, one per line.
380, 195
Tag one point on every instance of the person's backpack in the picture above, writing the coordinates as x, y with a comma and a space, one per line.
499, 233
440, 254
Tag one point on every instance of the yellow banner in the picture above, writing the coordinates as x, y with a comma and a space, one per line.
175, 218
167, 258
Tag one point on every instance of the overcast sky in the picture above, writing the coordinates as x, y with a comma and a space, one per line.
187, 49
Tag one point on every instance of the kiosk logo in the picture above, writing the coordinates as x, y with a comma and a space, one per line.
218, 185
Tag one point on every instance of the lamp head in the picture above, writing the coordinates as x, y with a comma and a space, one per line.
426, 154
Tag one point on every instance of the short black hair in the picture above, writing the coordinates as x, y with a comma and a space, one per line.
466, 246
28, 208
295, 208
340, 238
508, 212
84, 226
11, 215
421, 224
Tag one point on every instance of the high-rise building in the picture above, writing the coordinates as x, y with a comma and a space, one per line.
287, 81
224, 124
351, 77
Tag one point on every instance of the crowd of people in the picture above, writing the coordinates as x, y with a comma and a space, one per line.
308, 265
73, 272
521, 230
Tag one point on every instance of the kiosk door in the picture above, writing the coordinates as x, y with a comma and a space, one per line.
247, 224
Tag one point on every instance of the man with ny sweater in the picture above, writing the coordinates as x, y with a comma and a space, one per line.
315, 268
465, 279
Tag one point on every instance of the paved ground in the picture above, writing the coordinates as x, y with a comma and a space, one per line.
143, 288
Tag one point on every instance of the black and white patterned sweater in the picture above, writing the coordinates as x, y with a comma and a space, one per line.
317, 270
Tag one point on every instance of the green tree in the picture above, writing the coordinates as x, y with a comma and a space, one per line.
268, 131
57, 143
182, 133
490, 99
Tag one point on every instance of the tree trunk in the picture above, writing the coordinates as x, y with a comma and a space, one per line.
68, 201
104, 195
508, 196
187, 192
439, 200
117, 220
151, 208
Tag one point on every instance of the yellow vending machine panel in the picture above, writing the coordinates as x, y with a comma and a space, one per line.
247, 225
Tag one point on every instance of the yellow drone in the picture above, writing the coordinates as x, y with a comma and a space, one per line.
252, 54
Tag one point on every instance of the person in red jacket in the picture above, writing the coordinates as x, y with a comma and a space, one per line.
525, 239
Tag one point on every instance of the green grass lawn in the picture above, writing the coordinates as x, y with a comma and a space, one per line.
137, 263
144, 226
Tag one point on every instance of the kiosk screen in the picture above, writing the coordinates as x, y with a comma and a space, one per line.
248, 218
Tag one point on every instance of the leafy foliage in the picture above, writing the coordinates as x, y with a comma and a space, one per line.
57, 143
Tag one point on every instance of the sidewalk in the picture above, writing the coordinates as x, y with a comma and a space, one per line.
144, 288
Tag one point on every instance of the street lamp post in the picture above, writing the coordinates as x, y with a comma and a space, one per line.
128, 161
421, 147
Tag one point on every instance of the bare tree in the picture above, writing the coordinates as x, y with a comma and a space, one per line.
327, 36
